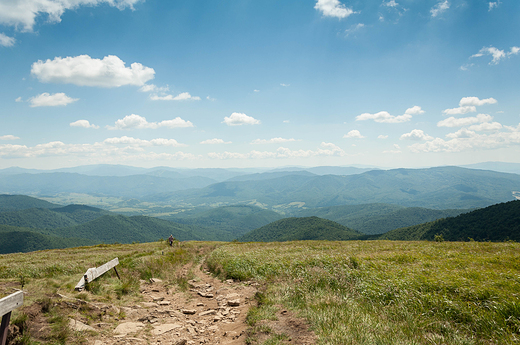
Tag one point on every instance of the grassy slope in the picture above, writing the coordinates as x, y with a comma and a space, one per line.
494, 223
307, 228
386, 292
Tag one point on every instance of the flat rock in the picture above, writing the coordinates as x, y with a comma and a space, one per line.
234, 303
165, 327
128, 327
149, 304
79, 326
189, 311
155, 280
208, 312
165, 303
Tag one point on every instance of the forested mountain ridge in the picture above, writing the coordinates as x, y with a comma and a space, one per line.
498, 222
298, 229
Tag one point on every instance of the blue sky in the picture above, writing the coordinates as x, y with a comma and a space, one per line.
399, 83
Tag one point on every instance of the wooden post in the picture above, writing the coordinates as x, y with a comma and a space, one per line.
7, 304
118, 277
93, 273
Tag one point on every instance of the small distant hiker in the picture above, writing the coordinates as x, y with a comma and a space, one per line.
170, 240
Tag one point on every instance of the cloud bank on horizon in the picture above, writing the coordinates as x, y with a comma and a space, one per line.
342, 82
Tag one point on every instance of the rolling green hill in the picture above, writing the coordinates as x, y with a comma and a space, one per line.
294, 229
22, 240
229, 222
377, 218
22, 202
51, 218
494, 223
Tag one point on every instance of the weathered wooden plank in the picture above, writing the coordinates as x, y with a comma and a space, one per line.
93, 273
4, 328
11, 302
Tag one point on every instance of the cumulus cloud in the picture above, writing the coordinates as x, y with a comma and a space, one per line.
6, 41
493, 4
439, 8
142, 143
83, 70
464, 121
385, 117
354, 28
109, 150
215, 142
83, 124
325, 149
47, 100
354, 134
139, 122
416, 134
185, 96
18, 100
514, 51
469, 105
486, 127
272, 141
391, 3
382, 136
468, 139
333, 8
23, 13
8, 137
238, 119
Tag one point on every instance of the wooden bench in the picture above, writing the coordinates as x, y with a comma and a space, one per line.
7, 304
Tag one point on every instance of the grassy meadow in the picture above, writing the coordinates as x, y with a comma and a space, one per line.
384, 292
351, 292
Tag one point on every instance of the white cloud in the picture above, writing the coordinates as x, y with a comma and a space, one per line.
238, 119
48, 100
469, 105
285, 85
464, 121
514, 51
154, 88
138, 122
385, 117
464, 140
439, 8
469, 101
416, 134
382, 136
256, 90
391, 3
486, 127
8, 137
83, 124
272, 141
142, 143
353, 134
6, 41
215, 142
110, 150
18, 100
493, 4
211, 99
23, 13
333, 8
286, 121
325, 149
461, 133
85, 71
354, 28
181, 97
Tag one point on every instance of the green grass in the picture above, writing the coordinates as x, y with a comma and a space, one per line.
381, 292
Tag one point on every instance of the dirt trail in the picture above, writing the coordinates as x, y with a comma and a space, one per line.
211, 312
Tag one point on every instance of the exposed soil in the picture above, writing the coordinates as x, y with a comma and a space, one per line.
210, 312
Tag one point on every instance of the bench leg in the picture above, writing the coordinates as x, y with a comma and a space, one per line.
4, 328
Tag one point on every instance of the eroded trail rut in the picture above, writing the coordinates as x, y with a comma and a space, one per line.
211, 312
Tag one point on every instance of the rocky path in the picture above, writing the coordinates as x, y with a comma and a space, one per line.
211, 312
